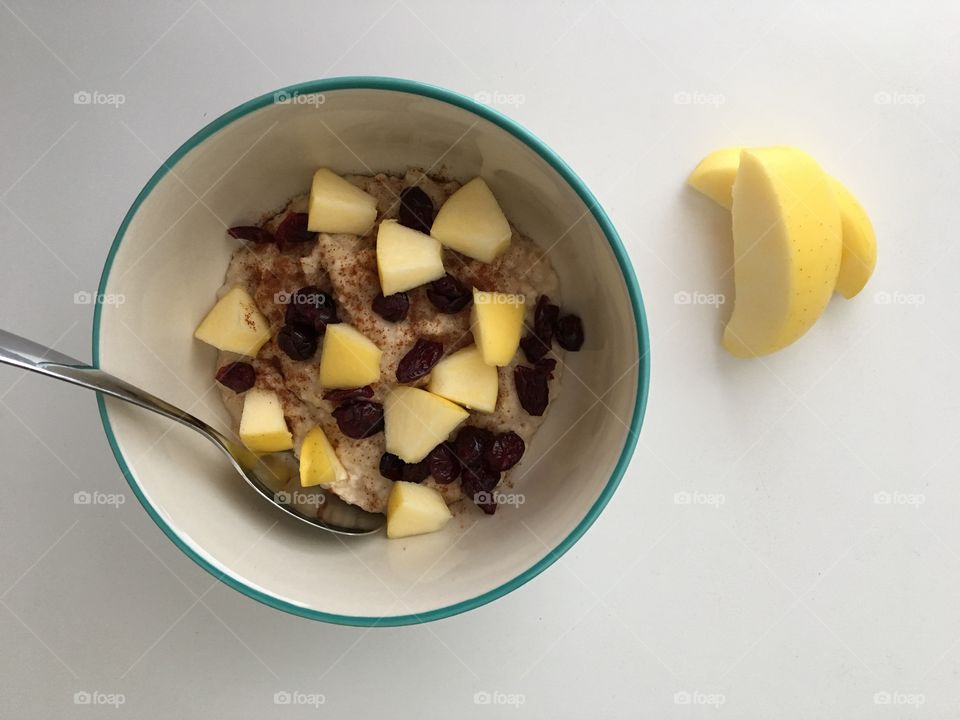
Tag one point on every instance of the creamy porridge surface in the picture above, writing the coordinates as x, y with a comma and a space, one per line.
346, 267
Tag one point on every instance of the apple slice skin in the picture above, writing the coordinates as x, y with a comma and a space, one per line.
715, 174
349, 359
464, 378
319, 464
338, 206
416, 421
472, 223
406, 258
414, 509
787, 249
263, 429
234, 324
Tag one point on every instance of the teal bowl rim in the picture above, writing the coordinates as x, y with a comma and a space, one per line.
626, 268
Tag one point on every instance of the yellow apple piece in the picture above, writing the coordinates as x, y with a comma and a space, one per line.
234, 324
338, 206
786, 246
263, 428
859, 256
416, 421
414, 509
465, 378
406, 258
349, 359
471, 222
714, 178
319, 464
497, 323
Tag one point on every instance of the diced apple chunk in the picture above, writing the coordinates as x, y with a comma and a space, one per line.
471, 222
497, 323
337, 206
349, 359
416, 421
414, 509
406, 258
234, 324
319, 464
263, 428
465, 378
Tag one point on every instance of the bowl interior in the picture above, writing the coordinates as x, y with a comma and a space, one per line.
169, 260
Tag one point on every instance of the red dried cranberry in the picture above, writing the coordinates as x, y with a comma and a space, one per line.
311, 307
391, 467
488, 503
416, 472
251, 233
416, 209
471, 443
392, 308
359, 418
544, 319
532, 389
339, 396
504, 452
419, 360
478, 481
297, 341
293, 229
238, 376
533, 348
449, 295
546, 366
569, 332
443, 464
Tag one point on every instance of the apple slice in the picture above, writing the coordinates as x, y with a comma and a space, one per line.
319, 464
416, 421
234, 324
497, 323
337, 206
787, 246
406, 258
715, 174
414, 509
465, 378
349, 359
471, 222
263, 428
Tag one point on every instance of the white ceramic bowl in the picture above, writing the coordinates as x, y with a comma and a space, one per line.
169, 258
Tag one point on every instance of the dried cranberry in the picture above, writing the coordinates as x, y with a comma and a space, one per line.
546, 366
488, 503
533, 348
569, 332
311, 307
544, 319
339, 396
478, 481
293, 229
297, 341
419, 360
416, 209
416, 472
392, 308
532, 389
251, 233
359, 418
443, 464
391, 467
471, 443
238, 376
504, 452
449, 295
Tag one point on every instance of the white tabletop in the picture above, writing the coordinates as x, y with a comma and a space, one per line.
814, 571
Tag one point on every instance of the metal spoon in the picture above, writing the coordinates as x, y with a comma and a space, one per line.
261, 473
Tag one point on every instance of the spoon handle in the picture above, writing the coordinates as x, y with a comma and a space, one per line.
26, 354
